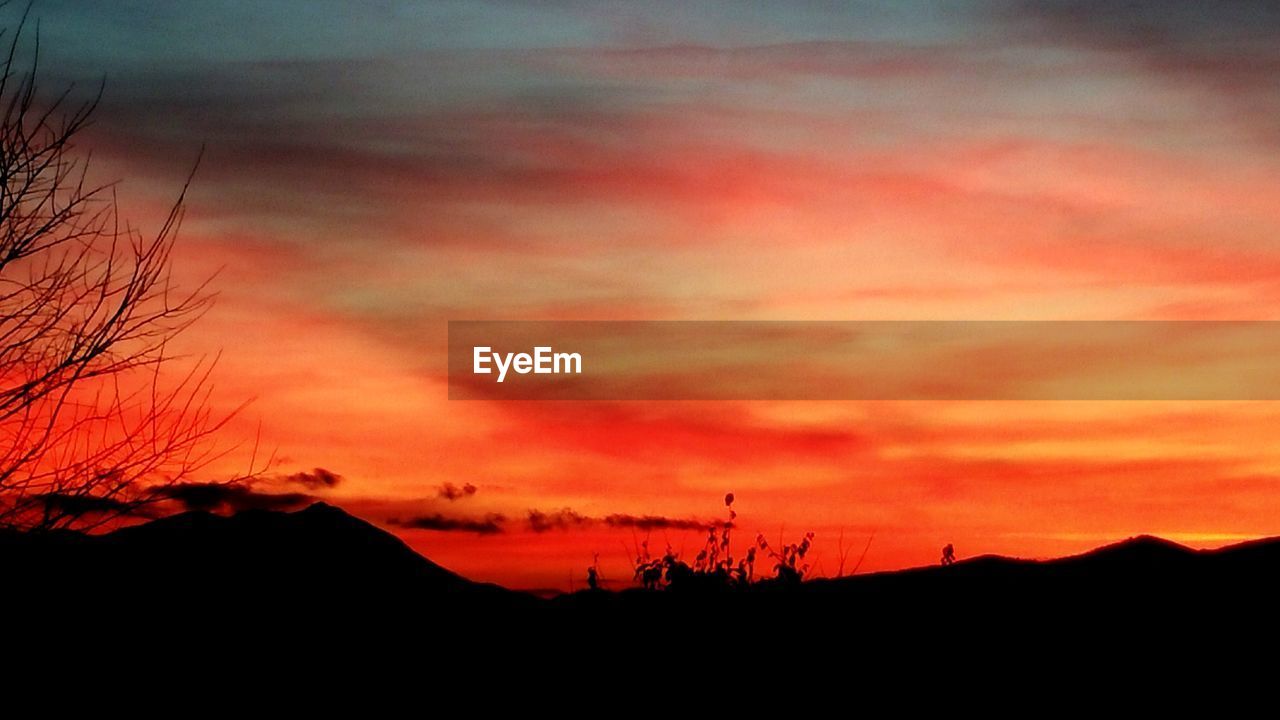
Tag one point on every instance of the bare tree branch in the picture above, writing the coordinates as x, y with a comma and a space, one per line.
90, 424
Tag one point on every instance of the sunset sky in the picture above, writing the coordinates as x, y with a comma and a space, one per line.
374, 170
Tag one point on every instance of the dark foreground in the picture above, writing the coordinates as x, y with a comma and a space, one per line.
272, 575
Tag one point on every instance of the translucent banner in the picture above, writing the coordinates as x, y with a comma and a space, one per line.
864, 360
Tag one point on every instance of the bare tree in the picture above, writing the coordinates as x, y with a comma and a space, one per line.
90, 426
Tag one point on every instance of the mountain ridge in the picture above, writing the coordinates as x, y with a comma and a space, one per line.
321, 566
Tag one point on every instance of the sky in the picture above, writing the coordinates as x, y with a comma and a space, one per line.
374, 170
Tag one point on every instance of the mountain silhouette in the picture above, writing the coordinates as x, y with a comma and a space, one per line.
1143, 588
270, 572
313, 565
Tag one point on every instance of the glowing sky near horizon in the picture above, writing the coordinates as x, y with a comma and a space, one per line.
373, 170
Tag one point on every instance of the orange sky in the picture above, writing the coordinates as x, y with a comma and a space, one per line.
996, 162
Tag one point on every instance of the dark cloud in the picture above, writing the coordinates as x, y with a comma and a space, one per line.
568, 519
1229, 49
317, 478
274, 143
80, 505
656, 522
564, 519
229, 497
1149, 24
280, 136
490, 524
451, 492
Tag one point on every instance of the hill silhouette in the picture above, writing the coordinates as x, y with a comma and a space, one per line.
315, 564
267, 571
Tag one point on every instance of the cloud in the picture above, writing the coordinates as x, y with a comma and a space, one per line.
731, 435
535, 520
1153, 26
656, 522
564, 519
317, 478
553, 133
229, 497
568, 519
1229, 49
79, 505
221, 497
451, 492
490, 524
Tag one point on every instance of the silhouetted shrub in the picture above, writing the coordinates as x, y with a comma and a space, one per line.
713, 567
